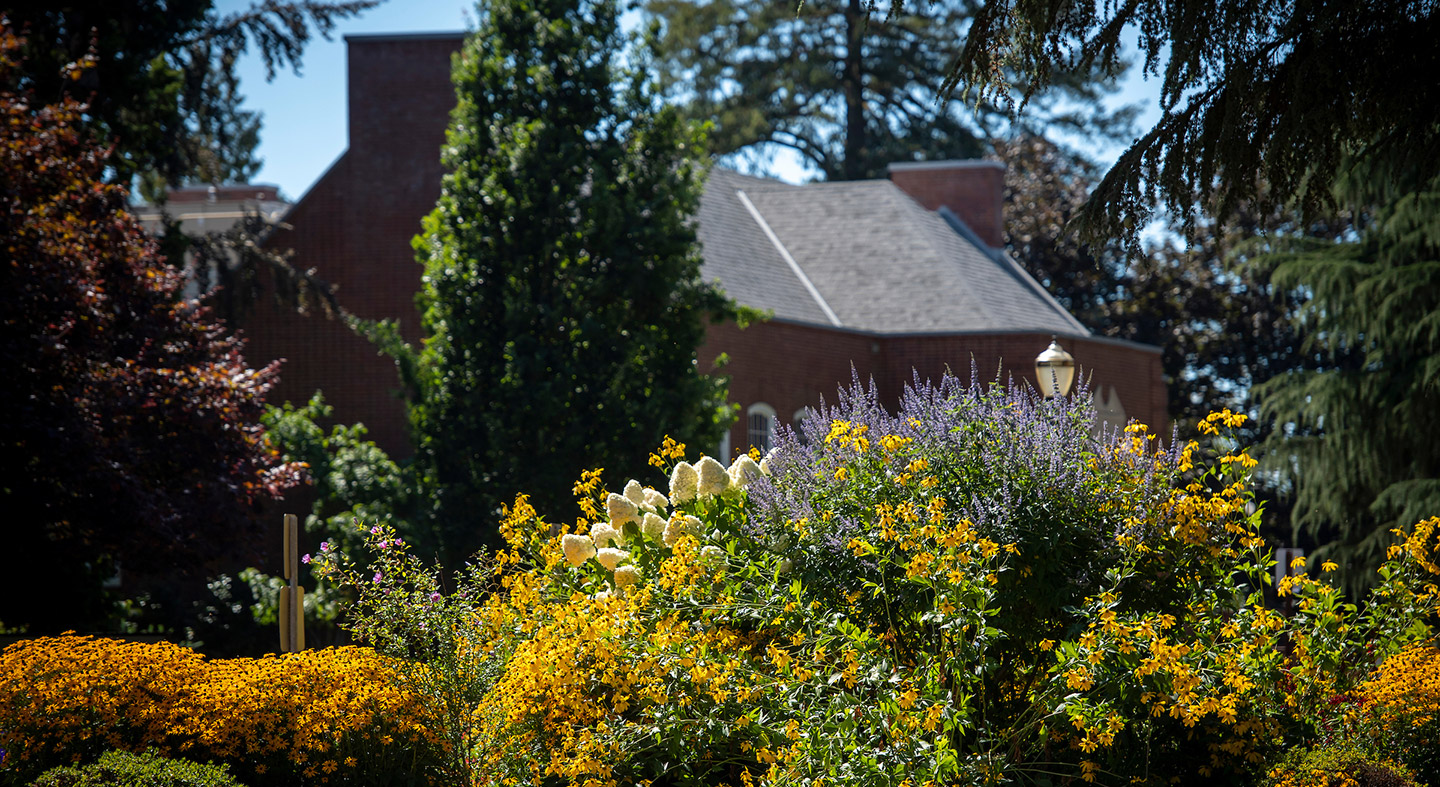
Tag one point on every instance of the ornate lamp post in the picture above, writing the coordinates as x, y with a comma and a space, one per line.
1055, 369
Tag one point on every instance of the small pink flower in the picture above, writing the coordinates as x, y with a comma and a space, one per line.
434, 597
304, 558
378, 577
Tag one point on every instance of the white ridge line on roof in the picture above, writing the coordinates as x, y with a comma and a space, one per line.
785, 253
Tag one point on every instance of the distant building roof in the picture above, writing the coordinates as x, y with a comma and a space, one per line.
214, 208
862, 255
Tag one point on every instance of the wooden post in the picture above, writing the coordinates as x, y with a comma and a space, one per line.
292, 596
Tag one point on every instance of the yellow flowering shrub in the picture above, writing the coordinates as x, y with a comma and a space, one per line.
1400, 708
316, 717
973, 591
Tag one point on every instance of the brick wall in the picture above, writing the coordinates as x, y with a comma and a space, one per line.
790, 366
785, 365
354, 227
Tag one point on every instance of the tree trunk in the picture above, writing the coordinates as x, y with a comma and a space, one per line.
854, 83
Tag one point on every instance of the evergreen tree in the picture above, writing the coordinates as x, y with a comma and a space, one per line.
1265, 101
562, 302
848, 89
1358, 422
1222, 328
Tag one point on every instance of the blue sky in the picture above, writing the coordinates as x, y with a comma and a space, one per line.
304, 116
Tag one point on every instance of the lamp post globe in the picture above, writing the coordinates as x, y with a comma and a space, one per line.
1055, 370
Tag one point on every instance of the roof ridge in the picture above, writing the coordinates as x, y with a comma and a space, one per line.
760, 181
899, 195
789, 259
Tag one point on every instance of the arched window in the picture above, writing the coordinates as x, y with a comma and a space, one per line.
761, 421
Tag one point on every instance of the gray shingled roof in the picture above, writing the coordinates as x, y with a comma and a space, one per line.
877, 259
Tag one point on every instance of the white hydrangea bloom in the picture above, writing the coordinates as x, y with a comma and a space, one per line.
578, 549
625, 576
743, 470
693, 525
605, 535
656, 501
621, 511
635, 493
653, 527
713, 479
610, 558
711, 555
673, 530
683, 481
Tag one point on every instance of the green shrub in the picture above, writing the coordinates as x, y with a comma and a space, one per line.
1339, 766
123, 769
974, 590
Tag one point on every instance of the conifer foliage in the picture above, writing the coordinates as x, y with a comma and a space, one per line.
131, 429
1360, 416
1265, 101
849, 86
562, 304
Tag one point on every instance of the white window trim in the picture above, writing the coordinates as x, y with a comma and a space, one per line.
766, 411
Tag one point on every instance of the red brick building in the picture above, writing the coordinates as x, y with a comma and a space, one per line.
884, 276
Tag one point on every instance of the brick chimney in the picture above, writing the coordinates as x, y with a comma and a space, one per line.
400, 98
972, 189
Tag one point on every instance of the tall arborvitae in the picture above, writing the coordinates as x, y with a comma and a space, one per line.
562, 296
1359, 427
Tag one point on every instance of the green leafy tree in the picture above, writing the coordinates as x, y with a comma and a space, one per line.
1358, 420
562, 302
1314, 109
1045, 185
847, 89
131, 433
1264, 102
352, 478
